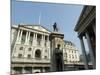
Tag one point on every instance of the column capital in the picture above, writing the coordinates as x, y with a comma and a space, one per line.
80, 37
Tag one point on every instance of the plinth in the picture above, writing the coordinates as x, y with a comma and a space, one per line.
57, 53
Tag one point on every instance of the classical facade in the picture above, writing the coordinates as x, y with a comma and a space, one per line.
86, 28
70, 53
31, 50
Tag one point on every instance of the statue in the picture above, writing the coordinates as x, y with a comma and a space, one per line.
55, 27
59, 59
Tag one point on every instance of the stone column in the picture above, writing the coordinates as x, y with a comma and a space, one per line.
83, 52
20, 36
90, 50
32, 70
23, 70
36, 38
43, 70
12, 71
26, 37
48, 38
42, 41
44, 38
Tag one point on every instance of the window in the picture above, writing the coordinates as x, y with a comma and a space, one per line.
38, 53
45, 57
29, 49
69, 56
29, 55
72, 56
21, 48
76, 56
19, 55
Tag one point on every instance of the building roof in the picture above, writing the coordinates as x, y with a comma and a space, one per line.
14, 26
86, 10
35, 27
69, 42
77, 25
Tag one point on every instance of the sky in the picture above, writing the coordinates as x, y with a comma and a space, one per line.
65, 15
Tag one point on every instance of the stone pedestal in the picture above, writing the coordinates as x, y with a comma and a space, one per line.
56, 39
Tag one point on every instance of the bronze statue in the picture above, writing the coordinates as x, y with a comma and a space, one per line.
59, 59
55, 27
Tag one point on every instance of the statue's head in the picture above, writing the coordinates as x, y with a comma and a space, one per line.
55, 23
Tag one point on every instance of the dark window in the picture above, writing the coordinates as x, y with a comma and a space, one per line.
29, 55
72, 56
39, 39
30, 49
38, 53
45, 57
21, 48
19, 55
36, 72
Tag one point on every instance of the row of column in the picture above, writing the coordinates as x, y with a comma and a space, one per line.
90, 51
27, 38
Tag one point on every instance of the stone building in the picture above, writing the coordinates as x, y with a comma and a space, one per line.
86, 28
31, 50
70, 53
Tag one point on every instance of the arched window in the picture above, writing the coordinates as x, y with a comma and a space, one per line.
38, 53
21, 48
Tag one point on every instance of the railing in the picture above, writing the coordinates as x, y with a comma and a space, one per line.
30, 60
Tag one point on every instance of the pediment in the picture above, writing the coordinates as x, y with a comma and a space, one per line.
38, 27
